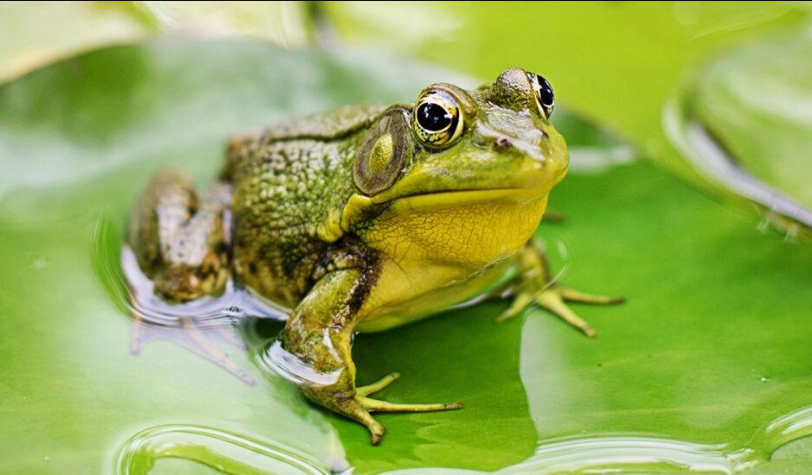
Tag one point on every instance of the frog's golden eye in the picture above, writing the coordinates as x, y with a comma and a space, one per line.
437, 119
545, 99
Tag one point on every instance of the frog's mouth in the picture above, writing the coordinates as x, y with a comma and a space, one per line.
359, 206
422, 187
457, 197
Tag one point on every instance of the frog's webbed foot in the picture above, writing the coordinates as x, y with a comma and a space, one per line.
535, 286
374, 405
369, 405
555, 300
360, 406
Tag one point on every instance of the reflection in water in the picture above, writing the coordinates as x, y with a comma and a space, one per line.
235, 303
201, 341
198, 326
629, 453
276, 360
220, 450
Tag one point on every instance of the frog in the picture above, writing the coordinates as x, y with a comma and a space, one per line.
367, 218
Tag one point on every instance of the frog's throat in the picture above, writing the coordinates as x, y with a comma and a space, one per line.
360, 207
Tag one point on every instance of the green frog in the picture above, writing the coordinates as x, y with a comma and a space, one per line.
367, 218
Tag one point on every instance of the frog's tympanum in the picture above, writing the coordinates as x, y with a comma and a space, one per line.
367, 218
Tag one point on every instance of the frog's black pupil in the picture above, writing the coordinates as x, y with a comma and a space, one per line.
433, 117
546, 92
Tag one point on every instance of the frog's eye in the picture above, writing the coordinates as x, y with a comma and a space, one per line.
437, 119
545, 99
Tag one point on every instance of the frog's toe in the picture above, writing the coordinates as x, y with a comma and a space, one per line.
374, 405
571, 295
377, 386
377, 435
519, 303
370, 405
375, 428
554, 299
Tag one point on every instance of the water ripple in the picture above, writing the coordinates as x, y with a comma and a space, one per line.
218, 449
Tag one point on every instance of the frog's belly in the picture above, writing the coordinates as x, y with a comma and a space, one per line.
428, 292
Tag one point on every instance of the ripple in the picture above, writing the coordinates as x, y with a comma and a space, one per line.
118, 271
277, 360
234, 305
641, 453
218, 449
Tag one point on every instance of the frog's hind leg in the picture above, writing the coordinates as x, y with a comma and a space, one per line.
179, 238
319, 333
535, 285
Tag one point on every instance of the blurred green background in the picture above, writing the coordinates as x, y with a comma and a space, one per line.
690, 127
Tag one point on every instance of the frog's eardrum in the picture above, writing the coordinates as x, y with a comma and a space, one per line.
383, 152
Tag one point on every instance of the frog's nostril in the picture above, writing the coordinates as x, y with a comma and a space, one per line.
502, 142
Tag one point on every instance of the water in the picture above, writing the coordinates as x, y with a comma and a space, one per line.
220, 450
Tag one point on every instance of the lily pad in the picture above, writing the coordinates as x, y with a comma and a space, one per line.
706, 367
746, 122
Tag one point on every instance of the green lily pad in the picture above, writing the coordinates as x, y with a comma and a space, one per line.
706, 367
745, 121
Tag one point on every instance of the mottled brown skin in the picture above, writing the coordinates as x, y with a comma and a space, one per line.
367, 218
178, 238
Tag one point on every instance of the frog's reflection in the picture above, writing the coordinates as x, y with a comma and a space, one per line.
201, 341
204, 326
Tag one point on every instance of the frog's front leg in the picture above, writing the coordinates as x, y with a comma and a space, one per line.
319, 333
535, 284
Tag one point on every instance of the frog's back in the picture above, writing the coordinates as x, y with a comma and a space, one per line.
289, 182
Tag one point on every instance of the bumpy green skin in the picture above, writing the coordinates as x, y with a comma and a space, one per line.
352, 221
288, 183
